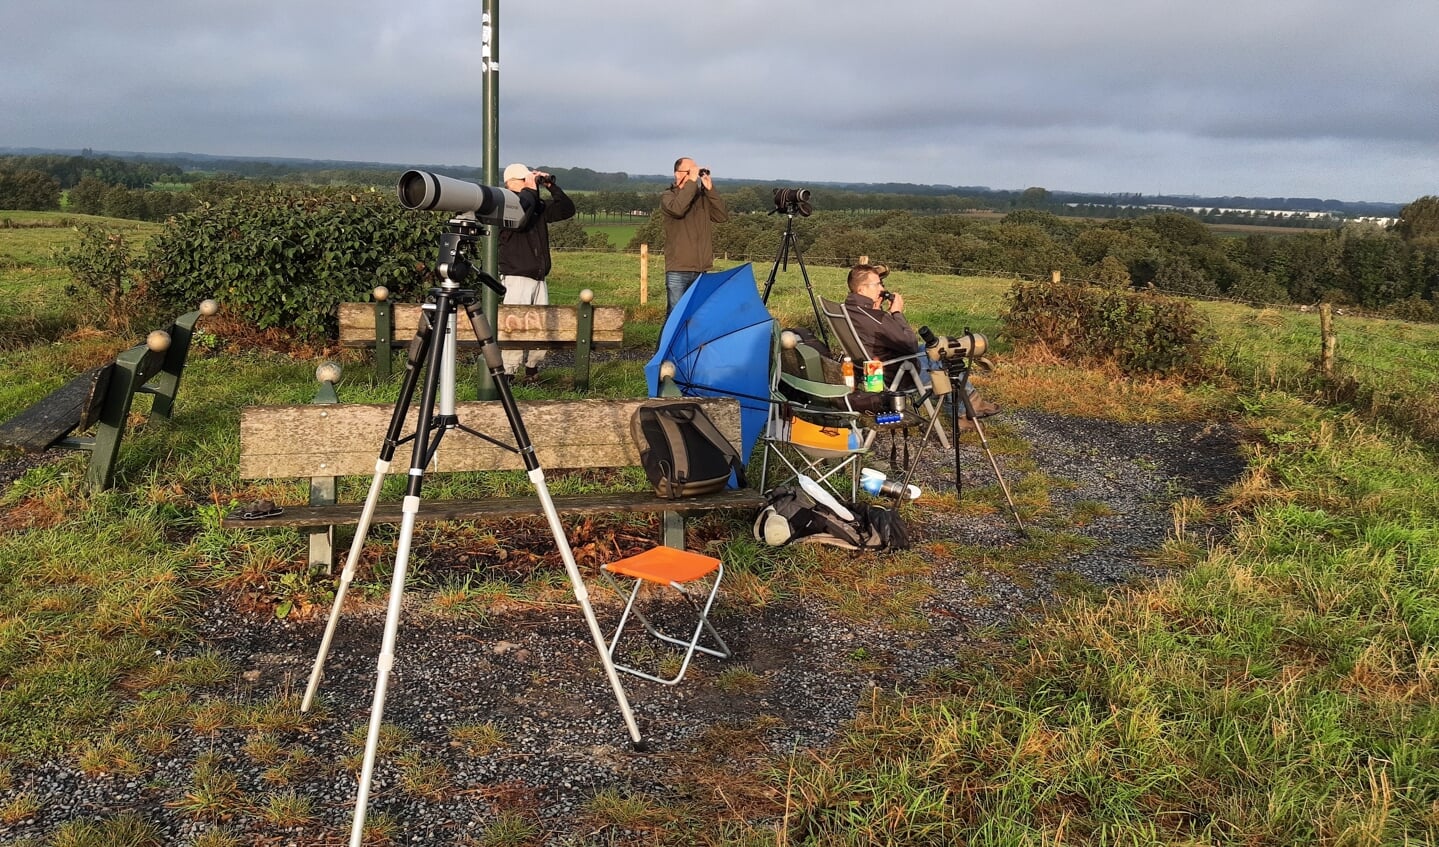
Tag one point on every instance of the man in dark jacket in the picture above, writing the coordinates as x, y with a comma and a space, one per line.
691, 208
887, 334
525, 252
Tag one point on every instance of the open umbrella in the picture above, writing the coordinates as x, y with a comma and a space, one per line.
719, 338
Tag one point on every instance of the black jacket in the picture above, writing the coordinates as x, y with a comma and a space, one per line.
886, 335
525, 250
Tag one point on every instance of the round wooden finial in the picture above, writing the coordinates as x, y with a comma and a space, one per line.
209, 307
381, 293
587, 296
328, 372
159, 341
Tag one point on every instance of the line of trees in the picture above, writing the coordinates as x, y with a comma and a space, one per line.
1363, 265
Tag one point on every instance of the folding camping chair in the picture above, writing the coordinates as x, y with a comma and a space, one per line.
675, 569
907, 379
812, 428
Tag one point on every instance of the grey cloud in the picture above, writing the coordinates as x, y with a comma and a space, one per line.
1312, 97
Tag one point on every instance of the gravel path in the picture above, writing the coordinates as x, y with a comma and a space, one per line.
533, 673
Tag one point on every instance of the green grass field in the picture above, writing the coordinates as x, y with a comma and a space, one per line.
619, 234
1281, 688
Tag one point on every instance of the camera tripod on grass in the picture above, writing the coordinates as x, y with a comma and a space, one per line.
957, 355
434, 350
791, 202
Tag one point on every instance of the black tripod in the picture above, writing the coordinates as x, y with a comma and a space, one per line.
434, 348
954, 380
787, 244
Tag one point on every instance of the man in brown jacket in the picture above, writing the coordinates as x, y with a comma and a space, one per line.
691, 207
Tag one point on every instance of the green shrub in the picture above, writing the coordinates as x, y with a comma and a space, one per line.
1139, 332
105, 271
287, 256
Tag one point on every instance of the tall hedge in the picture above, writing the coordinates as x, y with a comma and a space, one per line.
1139, 332
287, 256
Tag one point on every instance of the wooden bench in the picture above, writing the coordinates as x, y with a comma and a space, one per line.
383, 326
101, 397
326, 440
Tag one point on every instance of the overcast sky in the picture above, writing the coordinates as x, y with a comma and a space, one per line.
1315, 98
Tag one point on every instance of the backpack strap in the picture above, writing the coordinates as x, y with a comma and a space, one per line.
706, 426
681, 472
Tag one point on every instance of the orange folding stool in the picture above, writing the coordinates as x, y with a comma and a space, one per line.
666, 566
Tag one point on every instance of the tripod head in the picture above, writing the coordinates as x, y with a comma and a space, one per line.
456, 244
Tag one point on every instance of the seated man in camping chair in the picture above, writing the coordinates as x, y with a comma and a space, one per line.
885, 333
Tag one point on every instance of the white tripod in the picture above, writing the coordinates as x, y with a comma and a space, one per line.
434, 348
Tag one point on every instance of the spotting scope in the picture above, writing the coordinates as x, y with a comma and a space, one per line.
429, 192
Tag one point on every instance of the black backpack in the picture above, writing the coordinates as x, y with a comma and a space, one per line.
682, 451
790, 516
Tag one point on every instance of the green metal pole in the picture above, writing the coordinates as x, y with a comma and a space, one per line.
490, 95
384, 338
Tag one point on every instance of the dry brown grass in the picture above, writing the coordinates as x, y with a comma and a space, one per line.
1038, 379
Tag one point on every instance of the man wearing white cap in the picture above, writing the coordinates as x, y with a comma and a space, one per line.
525, 252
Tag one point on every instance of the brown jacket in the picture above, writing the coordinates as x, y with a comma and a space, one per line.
690, 216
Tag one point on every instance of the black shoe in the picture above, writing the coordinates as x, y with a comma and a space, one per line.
531, 373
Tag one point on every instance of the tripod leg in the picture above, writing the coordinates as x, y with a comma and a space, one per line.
414, 356
387, 660
911, 465
984, 444
780, 258
819, 320
485, 335
440, 321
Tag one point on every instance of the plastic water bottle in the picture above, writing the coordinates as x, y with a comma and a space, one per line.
876, 484
846, 369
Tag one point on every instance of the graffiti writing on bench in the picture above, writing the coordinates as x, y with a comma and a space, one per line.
528, 320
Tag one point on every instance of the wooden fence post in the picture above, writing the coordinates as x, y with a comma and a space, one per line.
644, 274
1055, 276
1329, 341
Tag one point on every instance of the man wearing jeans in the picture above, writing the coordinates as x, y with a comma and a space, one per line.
691, 207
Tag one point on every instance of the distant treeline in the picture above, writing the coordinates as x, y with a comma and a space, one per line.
22, 187
1391, 271
1027, 233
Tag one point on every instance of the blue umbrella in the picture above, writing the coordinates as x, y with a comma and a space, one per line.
719, 338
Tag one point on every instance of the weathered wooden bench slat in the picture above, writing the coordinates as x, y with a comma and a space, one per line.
348, 514
56, 415
344, 439
529, 326
327, 440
